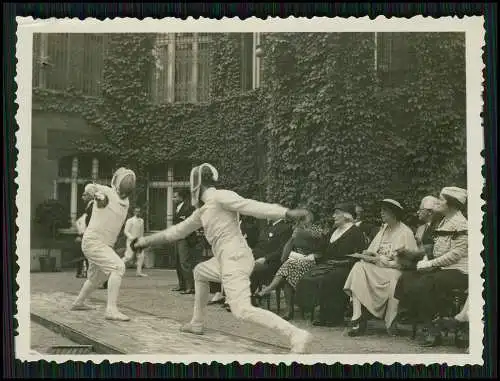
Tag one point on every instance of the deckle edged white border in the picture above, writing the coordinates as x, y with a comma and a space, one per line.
474, 30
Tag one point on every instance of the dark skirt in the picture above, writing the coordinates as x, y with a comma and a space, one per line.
426, 294
323, 286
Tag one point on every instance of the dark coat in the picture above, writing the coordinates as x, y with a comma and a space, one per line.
88, 211
273, 239
323, 284
185, 211
352, 241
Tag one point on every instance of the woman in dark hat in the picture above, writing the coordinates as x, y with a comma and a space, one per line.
323, 285
372, 280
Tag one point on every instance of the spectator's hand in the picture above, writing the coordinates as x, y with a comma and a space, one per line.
424, 265
365, 252
261, 260
370, 259
401, 251
78, 239
311, 257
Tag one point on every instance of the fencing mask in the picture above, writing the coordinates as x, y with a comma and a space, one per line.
123, 182
197, 174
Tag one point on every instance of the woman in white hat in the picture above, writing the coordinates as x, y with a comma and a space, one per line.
446, 269
217, 211
372, 281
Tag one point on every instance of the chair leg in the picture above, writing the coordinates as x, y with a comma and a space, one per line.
278, 300
414, 331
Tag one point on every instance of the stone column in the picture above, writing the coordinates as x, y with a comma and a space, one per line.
257, 61
54, 189
170, 196
74, 191
193, 97
171, 68
95, 169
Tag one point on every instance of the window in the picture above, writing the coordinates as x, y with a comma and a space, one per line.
163, 180
182, 68
74, 173
69, 60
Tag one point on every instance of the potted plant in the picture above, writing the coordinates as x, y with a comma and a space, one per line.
50, 216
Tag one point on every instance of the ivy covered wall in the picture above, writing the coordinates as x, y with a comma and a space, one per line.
324, 127
339, 131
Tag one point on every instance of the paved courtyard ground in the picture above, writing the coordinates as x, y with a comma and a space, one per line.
152, 304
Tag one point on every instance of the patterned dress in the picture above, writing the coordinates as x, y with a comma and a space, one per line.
306, 241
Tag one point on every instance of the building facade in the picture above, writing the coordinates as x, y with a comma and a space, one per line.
181, 74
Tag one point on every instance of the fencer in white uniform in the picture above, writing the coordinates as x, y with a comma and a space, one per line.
217, 212
108, 216
134, 228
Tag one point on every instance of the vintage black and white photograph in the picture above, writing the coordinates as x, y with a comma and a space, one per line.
250, 190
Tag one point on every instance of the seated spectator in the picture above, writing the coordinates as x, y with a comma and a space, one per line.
423, 235
250, 229
323, 285
267, 253
372, 280
445, 270
369, 230
299, 256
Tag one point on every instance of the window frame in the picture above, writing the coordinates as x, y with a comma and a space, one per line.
169, 88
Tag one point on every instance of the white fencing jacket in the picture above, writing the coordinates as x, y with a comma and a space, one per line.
219, 219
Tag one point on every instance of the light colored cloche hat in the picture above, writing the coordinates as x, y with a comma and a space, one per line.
457, 193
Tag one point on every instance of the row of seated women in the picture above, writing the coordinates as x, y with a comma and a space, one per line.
398, 270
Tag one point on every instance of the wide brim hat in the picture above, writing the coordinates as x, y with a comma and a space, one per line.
346, 207
393, 206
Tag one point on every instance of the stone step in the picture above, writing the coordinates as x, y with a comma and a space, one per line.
146, 334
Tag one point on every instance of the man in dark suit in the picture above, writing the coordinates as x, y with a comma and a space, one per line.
184, 248
268, 251
369, 230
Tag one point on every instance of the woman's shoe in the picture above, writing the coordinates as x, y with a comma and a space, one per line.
358, 327
393, 330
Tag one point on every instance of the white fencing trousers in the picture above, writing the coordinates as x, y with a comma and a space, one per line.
234, 274
103, 260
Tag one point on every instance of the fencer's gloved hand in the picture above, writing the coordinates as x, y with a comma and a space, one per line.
101, 200
302, 215
134, 246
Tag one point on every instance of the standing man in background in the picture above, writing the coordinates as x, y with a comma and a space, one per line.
81, 225
134, 228
183, 247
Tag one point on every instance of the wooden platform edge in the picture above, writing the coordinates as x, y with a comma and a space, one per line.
75, 335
